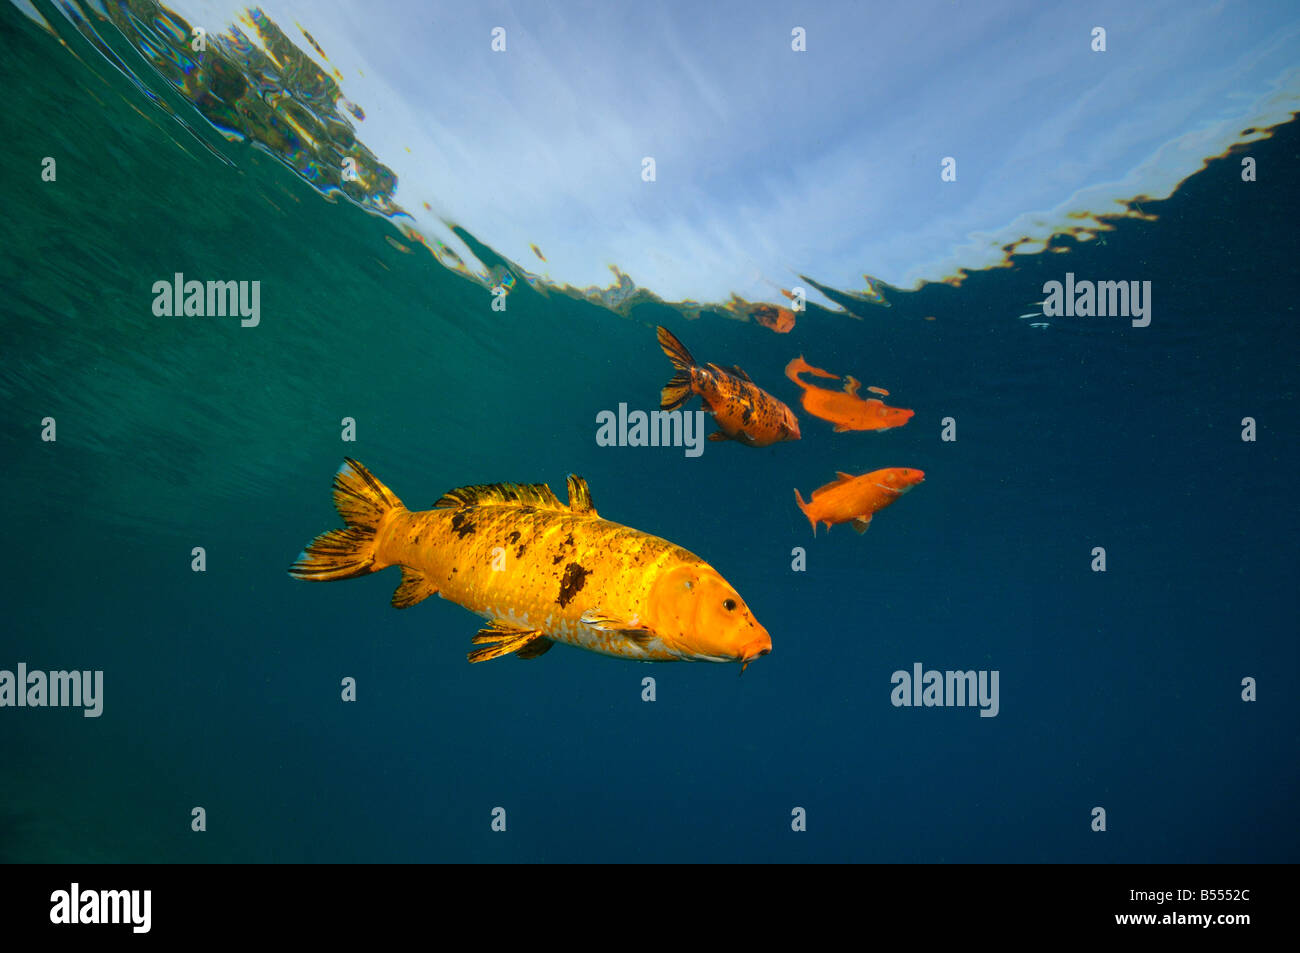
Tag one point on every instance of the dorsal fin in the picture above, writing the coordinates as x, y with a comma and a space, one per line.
741, 374
840, 479
507, 494
851, 385
580, 496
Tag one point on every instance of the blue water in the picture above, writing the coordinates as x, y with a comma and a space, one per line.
1119, 689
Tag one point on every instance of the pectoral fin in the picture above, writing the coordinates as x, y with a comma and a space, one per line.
718, 435
599, 619
504, 638
415, 587
851, 385
631, 628
861, 524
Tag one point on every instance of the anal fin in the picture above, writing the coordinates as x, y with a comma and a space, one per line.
501, 638
415, 587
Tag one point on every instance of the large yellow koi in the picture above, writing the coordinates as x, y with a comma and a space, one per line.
539, 570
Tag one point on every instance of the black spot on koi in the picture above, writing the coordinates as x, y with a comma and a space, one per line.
575, 577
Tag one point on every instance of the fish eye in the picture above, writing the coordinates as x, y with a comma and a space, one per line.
729, 604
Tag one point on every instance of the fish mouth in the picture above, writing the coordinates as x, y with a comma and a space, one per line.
755, 649
749, 656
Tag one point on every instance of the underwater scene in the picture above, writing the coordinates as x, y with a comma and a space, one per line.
577, 432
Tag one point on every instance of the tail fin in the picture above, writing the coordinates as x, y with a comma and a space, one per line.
678, 390
804, 506
363, 502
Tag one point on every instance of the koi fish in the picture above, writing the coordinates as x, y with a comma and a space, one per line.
855, 499
744, 412
539, 571
845, 409
780, 320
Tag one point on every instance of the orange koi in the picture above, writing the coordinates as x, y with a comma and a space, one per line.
844, 408
744, 412
539, 570
780, 320
855, 499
